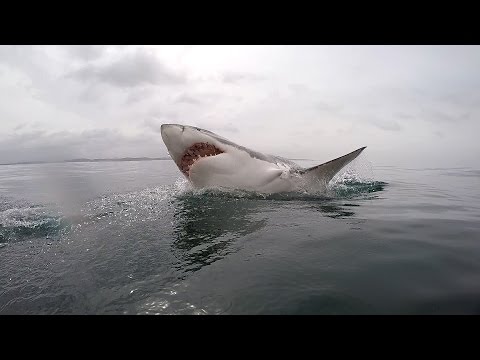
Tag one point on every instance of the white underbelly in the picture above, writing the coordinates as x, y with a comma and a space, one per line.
225, 171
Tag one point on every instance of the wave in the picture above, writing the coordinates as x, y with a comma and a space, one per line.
24, 222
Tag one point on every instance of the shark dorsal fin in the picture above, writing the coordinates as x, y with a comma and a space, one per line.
326, 171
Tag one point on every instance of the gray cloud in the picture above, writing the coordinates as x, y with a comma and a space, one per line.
86, 52
153, 125
139, 94
130, 70
402, 115
387, 125
229, 127
188, 99
161, 113
327, 107
440, 116
19, 126
237, 77
154, 122
299, 88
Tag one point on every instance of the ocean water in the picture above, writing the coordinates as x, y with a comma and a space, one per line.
132, 238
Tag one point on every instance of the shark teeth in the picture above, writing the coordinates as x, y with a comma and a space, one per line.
196, 152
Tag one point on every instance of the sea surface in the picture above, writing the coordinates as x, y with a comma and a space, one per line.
133, 238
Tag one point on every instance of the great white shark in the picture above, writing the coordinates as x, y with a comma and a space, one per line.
208, 160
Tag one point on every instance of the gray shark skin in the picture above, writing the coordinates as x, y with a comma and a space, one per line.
233, 166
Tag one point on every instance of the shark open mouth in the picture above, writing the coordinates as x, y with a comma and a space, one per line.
195, 152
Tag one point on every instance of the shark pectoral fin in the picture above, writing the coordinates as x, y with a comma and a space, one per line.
327, 171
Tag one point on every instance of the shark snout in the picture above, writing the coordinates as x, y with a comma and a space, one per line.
171, 132
174, 139
171, 127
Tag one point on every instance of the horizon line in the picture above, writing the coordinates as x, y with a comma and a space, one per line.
86, 160
83, 160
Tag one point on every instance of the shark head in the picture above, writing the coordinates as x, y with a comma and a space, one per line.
188, 145
208, 160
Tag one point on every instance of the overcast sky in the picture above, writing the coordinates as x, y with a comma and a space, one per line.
411, 105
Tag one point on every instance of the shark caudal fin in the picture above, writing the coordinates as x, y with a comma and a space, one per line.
326, 171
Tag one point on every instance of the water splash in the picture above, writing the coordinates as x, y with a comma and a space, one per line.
23, 222
348, 184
